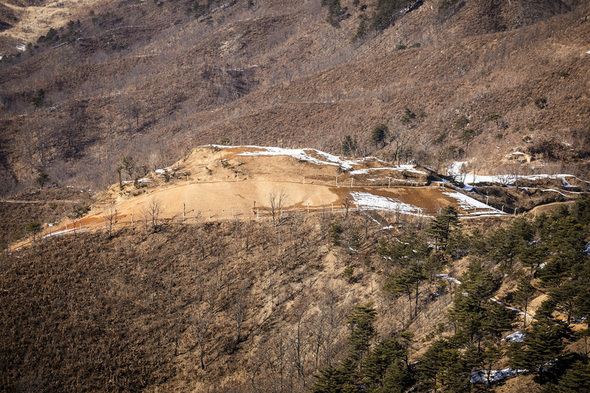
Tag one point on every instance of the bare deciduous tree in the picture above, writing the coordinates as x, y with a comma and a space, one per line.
239, 309
151, 213
277, 200
110, 218
203, 322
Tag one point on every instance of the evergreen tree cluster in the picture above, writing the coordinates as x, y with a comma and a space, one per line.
548, 254
383, 369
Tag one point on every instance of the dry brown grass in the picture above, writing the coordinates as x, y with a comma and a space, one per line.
98, 313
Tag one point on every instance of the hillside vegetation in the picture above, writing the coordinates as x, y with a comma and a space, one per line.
325, 196
147, 79
328, 302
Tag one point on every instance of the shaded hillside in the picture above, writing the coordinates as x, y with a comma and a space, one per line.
148, 79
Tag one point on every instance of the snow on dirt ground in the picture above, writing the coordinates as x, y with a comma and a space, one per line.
365, 200
470, 179
472, 207
220, 183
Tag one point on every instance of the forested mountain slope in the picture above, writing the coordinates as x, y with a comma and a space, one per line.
323, 302
469, 80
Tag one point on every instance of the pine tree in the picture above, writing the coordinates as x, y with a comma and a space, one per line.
443, 367
542, 344
442, 225
406, 281
565, 296
379, 134
376, 364
576, 379
362, 329
524, 294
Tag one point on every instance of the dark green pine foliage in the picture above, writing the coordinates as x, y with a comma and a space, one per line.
565, 237
534, 256
505, 244
362, 329
565, 297
379, 134
411, 247
442, 225
386, 12
341, 379
406, 281
443, 367
472, 302
397, 379
498, 320
349, 146
385, 368
576, 380
457, 245
542, 344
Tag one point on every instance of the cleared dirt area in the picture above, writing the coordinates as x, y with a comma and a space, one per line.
215, 183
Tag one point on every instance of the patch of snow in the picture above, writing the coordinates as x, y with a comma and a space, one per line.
508, 179
144, 180
300, 154
401, 168
587, 249
565, 183
516, 337
447, 277
160, 171
545, 190
519, 312
467, 203
360, 172
376, 202
408, 168
514, 153
455, 168
542, 266
588, 53
65, 231
481, 376
313, 156
21, 47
